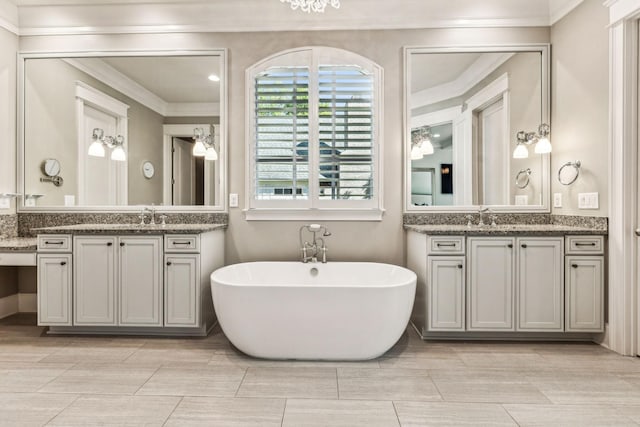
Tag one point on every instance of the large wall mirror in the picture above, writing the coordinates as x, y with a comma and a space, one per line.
123, 129
464, 109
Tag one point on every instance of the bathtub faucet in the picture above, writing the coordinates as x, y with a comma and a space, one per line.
311, 249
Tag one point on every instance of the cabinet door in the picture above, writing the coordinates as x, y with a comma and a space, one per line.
490, 277
54, 289
94, 273
446, 293
584, 293
540, 278
182, 290
140, 274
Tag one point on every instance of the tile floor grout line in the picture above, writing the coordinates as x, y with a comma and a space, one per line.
284, 410
509, 413
337, 385
135, 393
174, 410
241, 381
63, 409
393, 403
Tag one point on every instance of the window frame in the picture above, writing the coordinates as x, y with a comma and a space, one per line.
314, 207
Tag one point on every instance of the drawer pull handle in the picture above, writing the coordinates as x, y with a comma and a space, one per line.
446, 245
585, 244
510, 245
49, 242
181, 243
168, 262
460, 266
63, 263
574, 265
109, 243
523, 246
121, 244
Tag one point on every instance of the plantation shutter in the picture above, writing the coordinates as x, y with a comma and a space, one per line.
346, 133
282, 134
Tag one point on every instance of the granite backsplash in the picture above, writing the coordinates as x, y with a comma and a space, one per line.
8, 226
27, 221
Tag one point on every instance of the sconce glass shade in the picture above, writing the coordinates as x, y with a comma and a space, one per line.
426, 147
96, 149
118, 154
543, 146
199, 149
416, 153
521, 152
211, 154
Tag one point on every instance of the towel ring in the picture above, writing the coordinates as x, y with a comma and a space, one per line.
522, 178
576, 166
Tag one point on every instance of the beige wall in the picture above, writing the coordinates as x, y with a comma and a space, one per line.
256, 240
8, 49
580, 99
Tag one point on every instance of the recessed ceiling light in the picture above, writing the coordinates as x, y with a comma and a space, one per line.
437, 135
214, 78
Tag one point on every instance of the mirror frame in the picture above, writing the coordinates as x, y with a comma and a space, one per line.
544, 49
223, 147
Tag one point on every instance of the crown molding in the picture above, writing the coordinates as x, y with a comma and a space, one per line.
473, 75
102, 71
9, 17
558, 9
620, 10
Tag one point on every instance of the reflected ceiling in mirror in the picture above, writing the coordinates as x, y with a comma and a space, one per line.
122, 128
464, 108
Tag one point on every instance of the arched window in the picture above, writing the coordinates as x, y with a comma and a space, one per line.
314, 141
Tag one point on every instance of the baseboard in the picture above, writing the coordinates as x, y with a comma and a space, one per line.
27, 303
8, 305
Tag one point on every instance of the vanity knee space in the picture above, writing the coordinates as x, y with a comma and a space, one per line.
512, 284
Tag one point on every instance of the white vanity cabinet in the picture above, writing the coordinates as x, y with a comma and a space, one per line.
540, 284
584, 284
147, 283
490, 284
497, 286
54, 263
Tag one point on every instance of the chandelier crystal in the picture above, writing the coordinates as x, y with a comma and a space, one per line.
312, 5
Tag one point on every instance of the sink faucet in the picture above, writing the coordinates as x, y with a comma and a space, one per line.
311, 249
151, 211
481, 211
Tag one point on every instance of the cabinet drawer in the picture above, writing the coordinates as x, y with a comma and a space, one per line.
54, 243
584, 245
18, 258
445, 245
182, 243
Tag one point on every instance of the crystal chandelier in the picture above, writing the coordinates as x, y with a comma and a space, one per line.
312, 5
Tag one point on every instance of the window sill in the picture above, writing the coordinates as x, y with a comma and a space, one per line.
313, 214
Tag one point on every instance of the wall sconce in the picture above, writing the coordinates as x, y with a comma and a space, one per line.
204, 146
541, 139
96, 149
421, 143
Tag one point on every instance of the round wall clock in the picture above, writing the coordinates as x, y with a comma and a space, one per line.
148, 170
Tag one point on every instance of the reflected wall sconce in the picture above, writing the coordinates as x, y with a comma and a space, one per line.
540, 139
100, 141
421, 144
205, 145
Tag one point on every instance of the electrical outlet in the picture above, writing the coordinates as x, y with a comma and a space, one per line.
522, 200
557, 200
5, 203
233, 200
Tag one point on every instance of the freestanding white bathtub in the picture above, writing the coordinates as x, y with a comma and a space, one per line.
333, 311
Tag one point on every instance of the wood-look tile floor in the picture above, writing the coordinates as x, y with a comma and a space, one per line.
78, 380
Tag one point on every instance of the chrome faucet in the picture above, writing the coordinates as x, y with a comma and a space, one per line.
151, 211
311, 249
481, 211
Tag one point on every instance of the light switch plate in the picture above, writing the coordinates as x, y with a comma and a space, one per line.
588, 201
5, 203
557, 200
233, 200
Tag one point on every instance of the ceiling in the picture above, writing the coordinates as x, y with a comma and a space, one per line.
40, 17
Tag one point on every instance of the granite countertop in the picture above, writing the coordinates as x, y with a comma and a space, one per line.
128, 229
18, 244
506, 230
